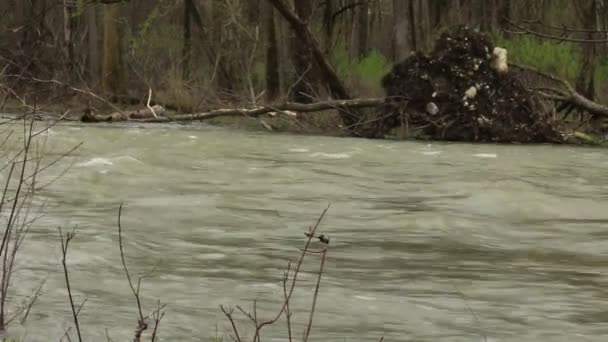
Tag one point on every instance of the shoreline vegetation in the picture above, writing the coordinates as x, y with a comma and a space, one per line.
407, 70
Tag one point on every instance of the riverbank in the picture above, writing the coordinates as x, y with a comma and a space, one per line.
324, 122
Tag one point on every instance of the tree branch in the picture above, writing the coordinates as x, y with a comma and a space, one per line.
553, 37
64, 252
571, 95
342, 105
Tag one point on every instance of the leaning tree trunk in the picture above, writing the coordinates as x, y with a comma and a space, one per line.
302, 90
326, 71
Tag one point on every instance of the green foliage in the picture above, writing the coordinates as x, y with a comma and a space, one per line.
341, 61
373, 66
601, 73
561, 58
369, 69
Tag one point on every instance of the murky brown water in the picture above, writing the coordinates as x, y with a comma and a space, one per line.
429, 242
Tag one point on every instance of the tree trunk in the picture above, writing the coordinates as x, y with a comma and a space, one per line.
273, 85
585, 82
326, 71
328, 25
225, 77
252, 11
504, 11
68, 39
112, 77
302, 89
454, 13
93, 61
403, 42
187, 39
421, 23
363, 29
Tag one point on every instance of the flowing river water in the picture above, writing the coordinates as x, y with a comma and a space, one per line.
429, 241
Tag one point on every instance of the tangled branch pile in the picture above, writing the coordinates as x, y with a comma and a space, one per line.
461, 92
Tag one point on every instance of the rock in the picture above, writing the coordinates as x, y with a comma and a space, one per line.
499, 60
470, 93
432, 108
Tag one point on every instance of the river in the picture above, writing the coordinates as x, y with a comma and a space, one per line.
429, 241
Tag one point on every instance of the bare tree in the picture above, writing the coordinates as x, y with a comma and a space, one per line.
113, 72
93, 42
363, 25
403, 28
273, 81
302, 89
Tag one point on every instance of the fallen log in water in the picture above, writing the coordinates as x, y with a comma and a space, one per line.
286, 107
150, 112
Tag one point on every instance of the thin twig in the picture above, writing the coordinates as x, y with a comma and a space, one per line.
554, 37
64, 251
311, 232
231, 319
287, 311
141, 320
158, 316
315, 296
148, 103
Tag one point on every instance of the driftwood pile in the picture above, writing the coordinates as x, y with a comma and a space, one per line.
462, 91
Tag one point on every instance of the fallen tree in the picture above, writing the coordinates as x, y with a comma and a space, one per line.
289, 108
567, 94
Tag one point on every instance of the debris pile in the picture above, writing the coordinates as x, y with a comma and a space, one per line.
462, 91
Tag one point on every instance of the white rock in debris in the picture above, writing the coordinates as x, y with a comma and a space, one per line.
499, 60
432, 108
471, 92
483, 121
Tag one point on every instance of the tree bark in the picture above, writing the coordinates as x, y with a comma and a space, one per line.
585, 82
69, 26
454, 13
273, 82
328, 25
302, 89
187, 39
403, 42
93, 60
113, 77
363, 12
421, 23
